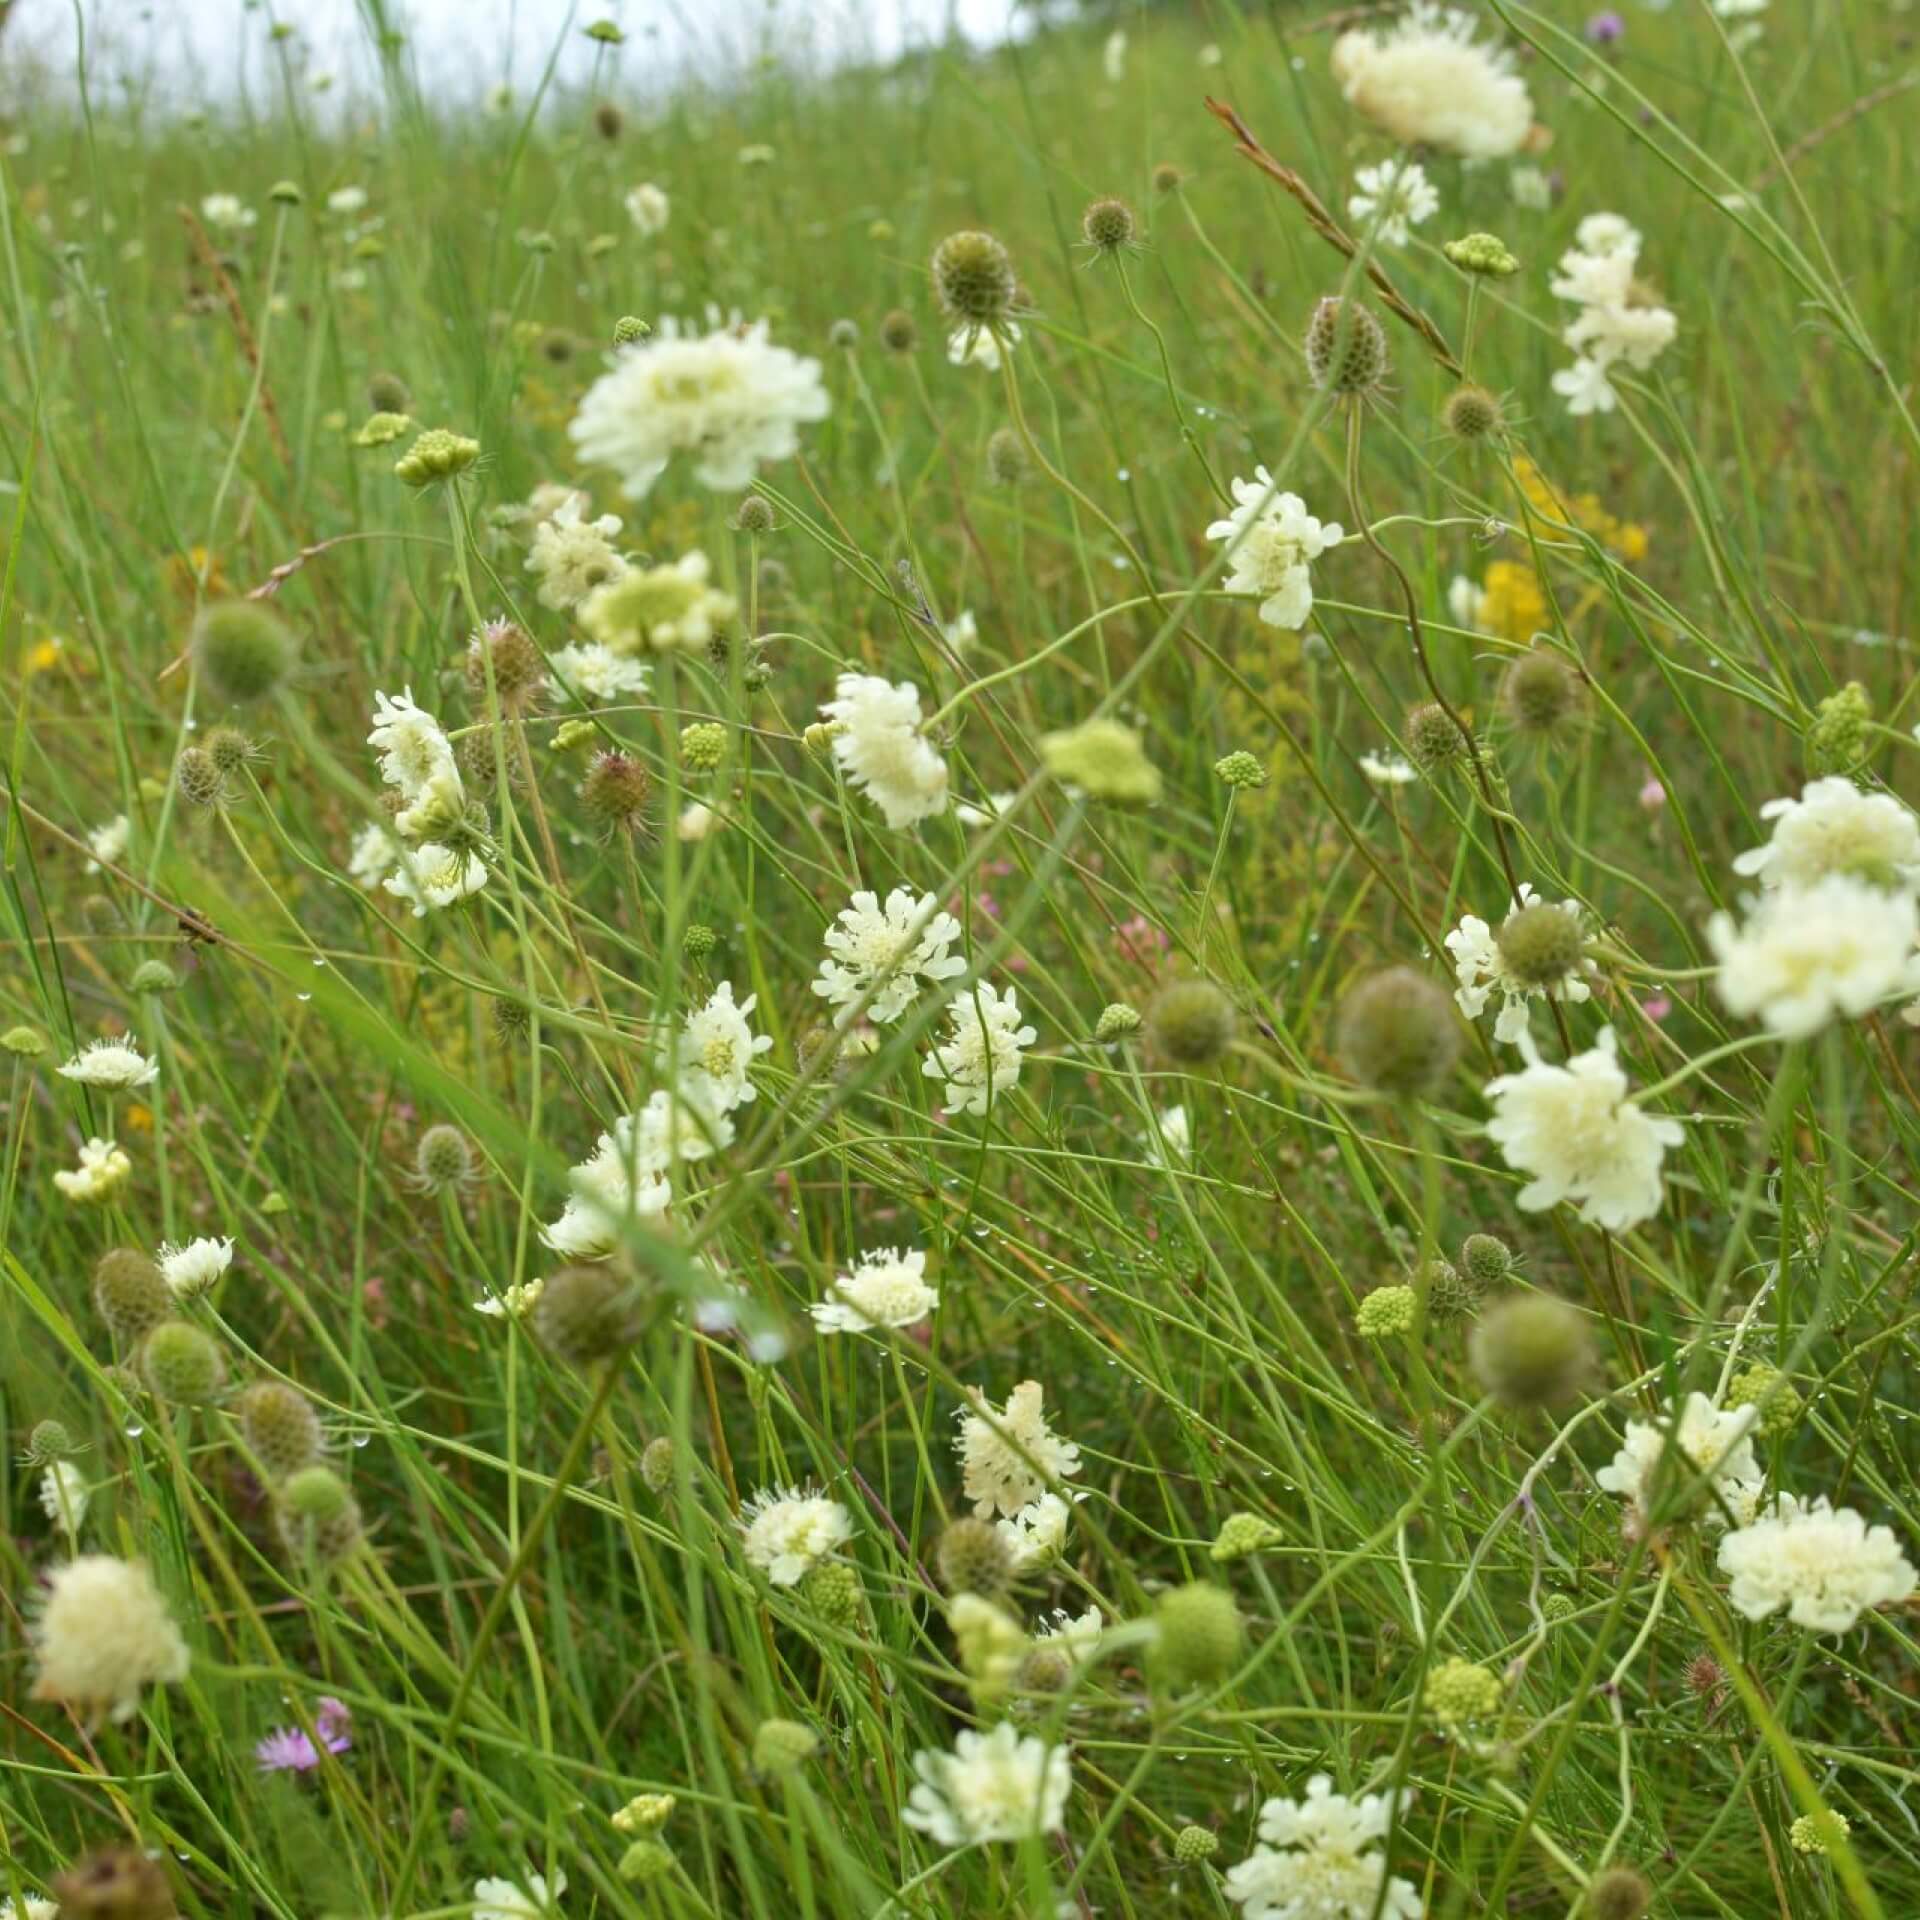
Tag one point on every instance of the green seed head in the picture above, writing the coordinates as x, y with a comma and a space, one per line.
1481, 253
898, 334
1541, 944
49, 1441
1432, 740
974, 279
318, 1517
443, 1160
1241, 770
1772, 1392
229, 749
1108, 225
1487, 1259
198, 778
1346, 349
1199, 1636
1116, 1022
782, 1747
703, 746
1451, 1294
587, 1315
1472, 413
154, 976
973, 1558
1386, 1313
646, 1860
131, 1295
753, 515
280, 1427
1006, 457
630, 329
1193, 1845
387, 393
182, 1365
1242, 1534
1532, 1350
832, 1590
1460, 1692
1837, 741
438, 454
243, 651
1540, 694
1621, 1893
698, 941
1398, 1033
1191, 1023
1557, 1607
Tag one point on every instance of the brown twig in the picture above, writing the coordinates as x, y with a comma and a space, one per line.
1330, 230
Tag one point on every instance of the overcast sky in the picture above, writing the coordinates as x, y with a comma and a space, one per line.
194, 50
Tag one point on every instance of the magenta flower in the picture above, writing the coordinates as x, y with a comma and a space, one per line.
291, 1749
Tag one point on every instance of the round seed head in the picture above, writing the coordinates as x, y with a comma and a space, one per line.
656, 1464
1199, 1638
1108, 225
1346, 348
438, 454
782, 1746
973, 1558
1386, 1313
608, 120
1397, 1033
1191, 1023
387, 393
833, 1591
843, 336
229, 749
1532, 1350
588, 1314
698, 941
1433, 741
443, 1159
1192, 1845
154, 976
1488, 1259
502, 655
1116, 1021
280, 1427
617, 792
316, 1493
1451, 1293
1006, 458
1540, 694
1557, 1607
131, 1296
114, 1883
1045, 1669
703, 746
646, 1860
182, 1365
630, 328
898, 334
243, 651
973, 277
1621, 1893
199, 778
753, 515
1167, 178
318, 1517
1472, 413
1541, 944
49, 1441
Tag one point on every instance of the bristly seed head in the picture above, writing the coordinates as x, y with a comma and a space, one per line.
1346, 349
617, 792
1109, 225
973, 277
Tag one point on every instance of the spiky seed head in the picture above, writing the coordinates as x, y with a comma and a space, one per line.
280, 1427
182, 1364
114, 1883
1191, 1023
1472, 413
1045, 1669
1433, 741
586, 1315
1199, 1636
1541, 944
1386, 1313
753, 515
1451, 1294
656, 1464
131, 1296
783, 1746
1532, 1350
974, 279
1108, 225
504, 655
703, 746
608, 120
318, 1517
388, 393
1116, 1021
1398, 1033
1486, 1257
154, 976
1540, 693
1167, 178
198, 778
832, 1590
1194, 1845
243, 651
1704, 1676
510, 1018
47, 1442
616, 792
1006, 457
443, 1159
438, 454
972, 1557
1621, 1893
898, 334
229, 749
1346, 349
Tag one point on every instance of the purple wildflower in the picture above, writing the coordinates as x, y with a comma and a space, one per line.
291, 1749
1605, 28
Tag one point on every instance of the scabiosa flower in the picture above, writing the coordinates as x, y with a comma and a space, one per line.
64, 1495
986, 1046
1575, 1131
227, 213
1824, 1564
102, 1636
191, 1269
1317, 1861
595, 673
1271, 538
1810, 954
503, 1900
992, 1786
293, 1749
1618, 324
571, 555
886, 1288
623, 1179
664, 609
1388, 769
431, 875
714, 1049
103, 1166
1394, 197
416, 759
649, 209
981, 347
107, 843
114, 1066
1075, 1635
878, 743
786, 1534
1009, 1454
1834, 827
1713, 1441
877, 948
729, 397
1485, 967
1428, 81
1037, 1535
374, 854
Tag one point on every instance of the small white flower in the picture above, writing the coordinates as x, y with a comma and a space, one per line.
1834, 827
1388, 769
1530, 189
374, 854
1036, 1536
878, 742
416, 757
1712, 1441
1429, 81
992, 1786
346, 200
503, 1900
1317, 1861
1574, 1129
714, 1050
1824, 1564
192, 1269
981, 346
1113, 56
981, 1059
1075, 1635
649, 209
1807, 955
1618, 325
1465, 601
962, 632
64, 1494
1394, 198
886, 1288
513, 1302
227, 213
1271, 539
787, 1534
878, 948
107, 843
103, 1166
970, 815
1585, 387
431, 876
1482, 972
1009, 1454
1169, 1141
114, 1066
596, 673
571, 555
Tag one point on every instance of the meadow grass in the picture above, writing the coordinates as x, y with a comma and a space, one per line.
545, 1608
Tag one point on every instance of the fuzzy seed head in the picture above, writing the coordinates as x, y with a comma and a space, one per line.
973, 1558
1621, 1893
973, 277
1191, 1023
315, 1493
1486, 1258
1433, 741
131, 1296
753, 515
243, 651
1167, 178
656, 1464
783, 1746
1199, 1639
1108, 225
616, 792
280, 1427
443, 1160
1541, 944
1398, 1033
1451, 1294
387, 393
1006, 457
154, 976
1472, 413
229, 749
318, 1517
1705, 1677
1346, 349
1532, 1350
588, 1314
1540, 694
898, 334
1116, 1021
503, 655
115, 1883
182, 1365
49, 1441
